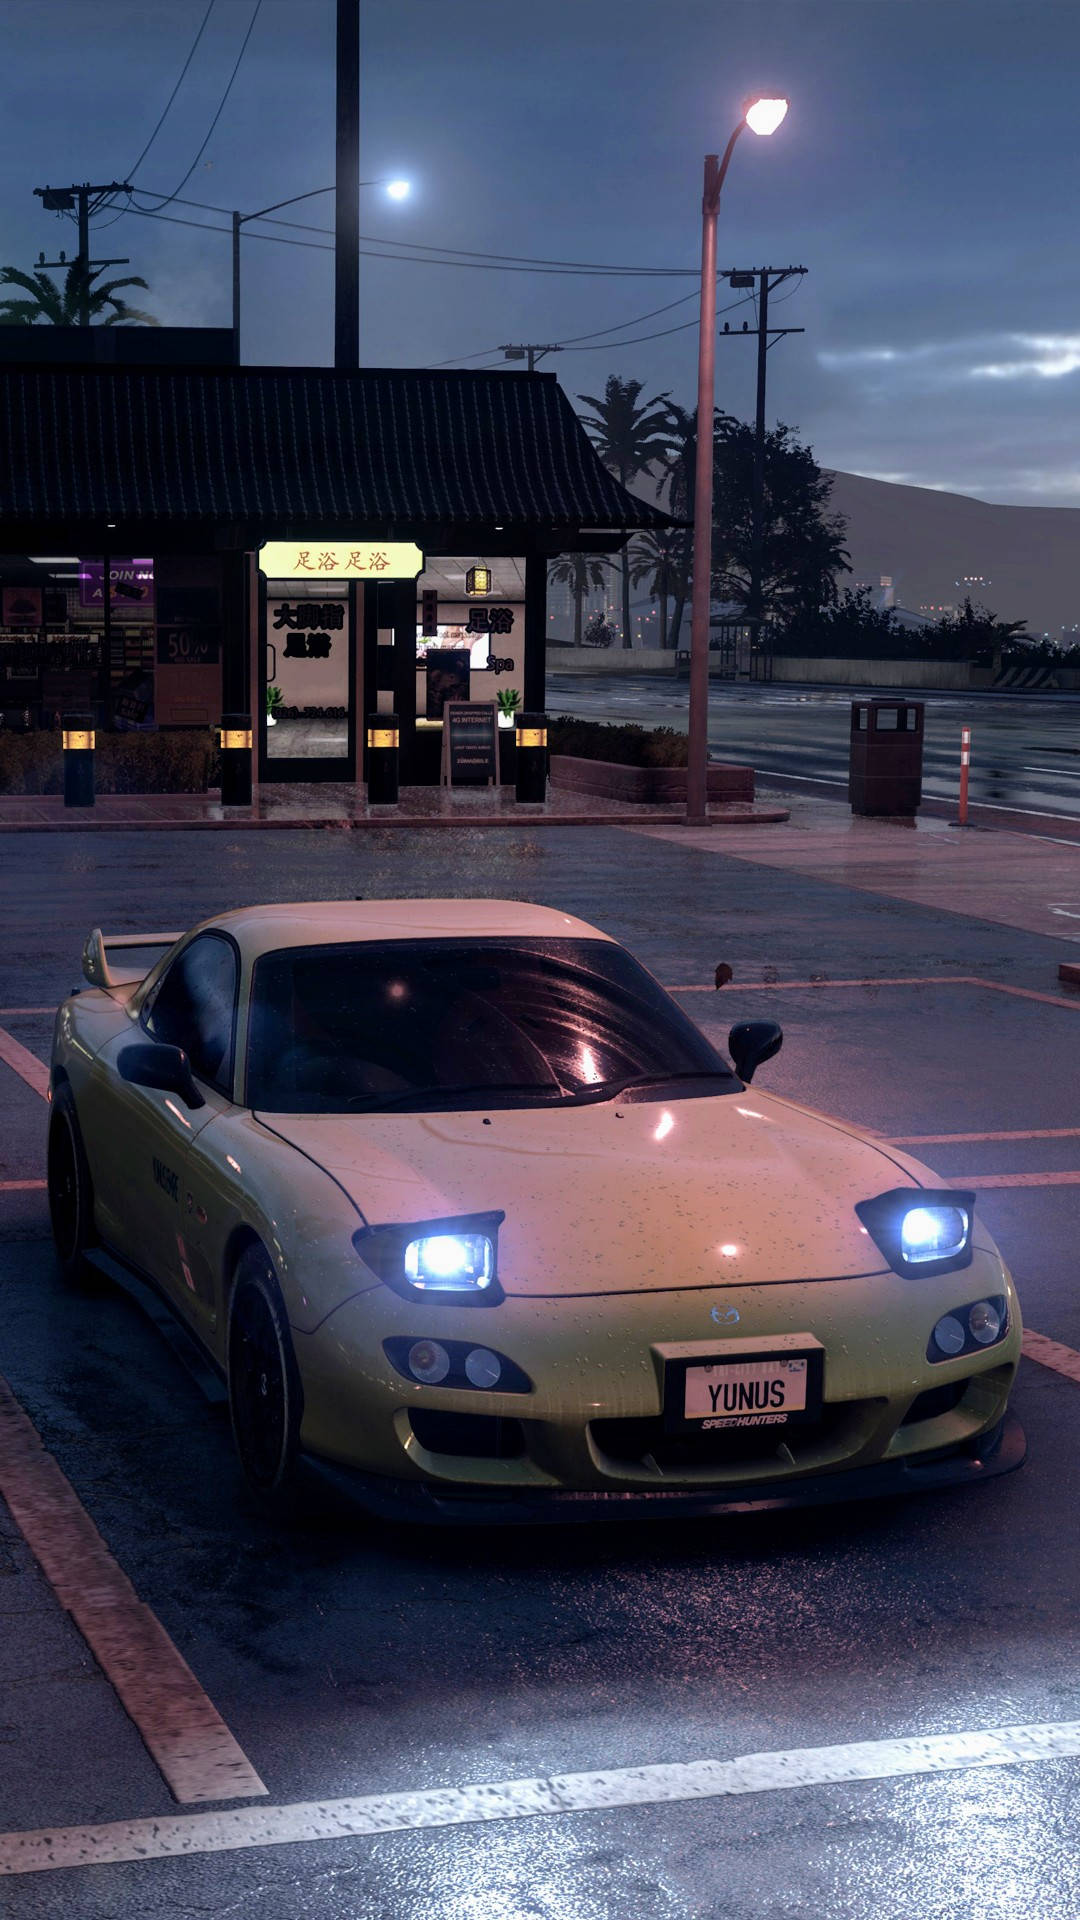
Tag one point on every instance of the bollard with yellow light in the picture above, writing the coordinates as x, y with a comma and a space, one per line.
382, 745
531, 757
77, 736
234, 736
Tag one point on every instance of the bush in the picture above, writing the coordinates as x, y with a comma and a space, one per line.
182, 762
626, 746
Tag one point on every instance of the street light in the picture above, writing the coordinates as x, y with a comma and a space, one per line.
397, 190
762, 113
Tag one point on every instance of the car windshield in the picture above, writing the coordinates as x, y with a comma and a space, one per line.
423, 1025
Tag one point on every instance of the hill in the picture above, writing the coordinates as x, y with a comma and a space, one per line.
1028, 557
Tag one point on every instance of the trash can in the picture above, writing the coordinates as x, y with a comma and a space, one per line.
885, 767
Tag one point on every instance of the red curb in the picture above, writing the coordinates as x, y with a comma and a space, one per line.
761, 816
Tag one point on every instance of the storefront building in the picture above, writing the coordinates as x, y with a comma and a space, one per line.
305, 545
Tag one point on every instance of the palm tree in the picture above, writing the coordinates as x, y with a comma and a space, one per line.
678, 478
579, 572
629, 438
659, 558
77, 303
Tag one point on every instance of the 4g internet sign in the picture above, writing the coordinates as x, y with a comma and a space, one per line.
341, 560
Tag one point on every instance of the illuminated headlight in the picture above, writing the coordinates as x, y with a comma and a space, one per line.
933, 1233
921, 1231
453, 1259
448, 1262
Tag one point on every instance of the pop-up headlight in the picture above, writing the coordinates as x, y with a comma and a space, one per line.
920, 1230
453, 1259
446, 1262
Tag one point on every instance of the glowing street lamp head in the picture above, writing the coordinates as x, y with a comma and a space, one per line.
397, 189
764, 116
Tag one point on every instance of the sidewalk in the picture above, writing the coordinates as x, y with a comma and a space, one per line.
346, 806
985, 872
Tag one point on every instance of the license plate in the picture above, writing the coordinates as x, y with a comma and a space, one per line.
766, 1392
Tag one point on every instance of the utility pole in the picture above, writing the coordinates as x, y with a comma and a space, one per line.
765, 279
533, 353
347, 210
84, 200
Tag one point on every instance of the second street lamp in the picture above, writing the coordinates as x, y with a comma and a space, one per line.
397, 190
762, 113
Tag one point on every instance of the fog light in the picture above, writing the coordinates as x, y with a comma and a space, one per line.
429, 1362
482, 1367
949, 1334
985, 1322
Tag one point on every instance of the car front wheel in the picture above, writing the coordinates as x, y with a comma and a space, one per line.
265, 1398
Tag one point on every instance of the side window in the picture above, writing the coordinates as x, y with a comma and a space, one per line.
194, 1007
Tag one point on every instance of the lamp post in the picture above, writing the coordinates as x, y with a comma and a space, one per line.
397, 190
762, 114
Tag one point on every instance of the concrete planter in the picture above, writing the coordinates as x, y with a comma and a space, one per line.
646, 785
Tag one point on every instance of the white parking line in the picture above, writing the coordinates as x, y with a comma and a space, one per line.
24, 1063
977, 1180
314, 1820
1051, 1353
945, 1139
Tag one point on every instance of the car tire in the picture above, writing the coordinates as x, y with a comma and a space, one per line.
70, 1189
265, 1395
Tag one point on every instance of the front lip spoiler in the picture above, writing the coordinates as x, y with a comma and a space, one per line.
1000, 1451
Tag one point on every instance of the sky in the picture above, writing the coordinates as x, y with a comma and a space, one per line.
927, 176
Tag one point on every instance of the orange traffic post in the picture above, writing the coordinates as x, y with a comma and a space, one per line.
965, 764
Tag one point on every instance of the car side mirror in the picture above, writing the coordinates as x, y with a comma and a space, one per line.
150, 1063
751, 1043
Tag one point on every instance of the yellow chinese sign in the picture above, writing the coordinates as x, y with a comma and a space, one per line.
341, 560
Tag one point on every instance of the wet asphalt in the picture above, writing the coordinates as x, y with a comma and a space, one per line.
1025, 752
351, 1656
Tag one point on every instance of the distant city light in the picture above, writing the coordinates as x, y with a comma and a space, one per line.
397, 189
764, 116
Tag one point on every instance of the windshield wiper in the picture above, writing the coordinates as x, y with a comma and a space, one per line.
382, 1103
608, 1089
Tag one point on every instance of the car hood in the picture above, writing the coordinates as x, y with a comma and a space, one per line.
733, 1190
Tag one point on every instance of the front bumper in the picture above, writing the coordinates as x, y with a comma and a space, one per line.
590, 1429
1000, 1451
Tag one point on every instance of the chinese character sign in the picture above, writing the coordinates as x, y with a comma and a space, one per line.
310, 613
341, 560
491, 620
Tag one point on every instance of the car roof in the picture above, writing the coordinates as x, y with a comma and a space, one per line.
308, 923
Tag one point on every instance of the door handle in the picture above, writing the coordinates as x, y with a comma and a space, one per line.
271, 672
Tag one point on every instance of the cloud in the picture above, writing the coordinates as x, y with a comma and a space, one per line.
951, 363
1049, 357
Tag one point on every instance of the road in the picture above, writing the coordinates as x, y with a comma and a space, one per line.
354, 1658
1025, 755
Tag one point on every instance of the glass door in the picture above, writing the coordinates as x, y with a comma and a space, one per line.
307, 700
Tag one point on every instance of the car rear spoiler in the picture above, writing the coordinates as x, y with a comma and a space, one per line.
97, 956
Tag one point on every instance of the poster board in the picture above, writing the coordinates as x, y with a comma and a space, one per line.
470, 755
447, 671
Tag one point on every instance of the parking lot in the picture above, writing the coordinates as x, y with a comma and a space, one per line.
371, 1674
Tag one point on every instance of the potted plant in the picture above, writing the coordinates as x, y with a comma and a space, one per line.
509, 700
274, 699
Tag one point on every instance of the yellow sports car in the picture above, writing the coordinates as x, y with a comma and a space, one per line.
458, 1200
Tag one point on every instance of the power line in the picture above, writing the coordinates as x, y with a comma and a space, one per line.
221, 105
457, 253
408, 259
572, 346
132, 171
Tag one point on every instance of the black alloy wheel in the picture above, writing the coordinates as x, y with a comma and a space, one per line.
265, 1399
71, 1195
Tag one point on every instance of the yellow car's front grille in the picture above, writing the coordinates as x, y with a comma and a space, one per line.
640, 1447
